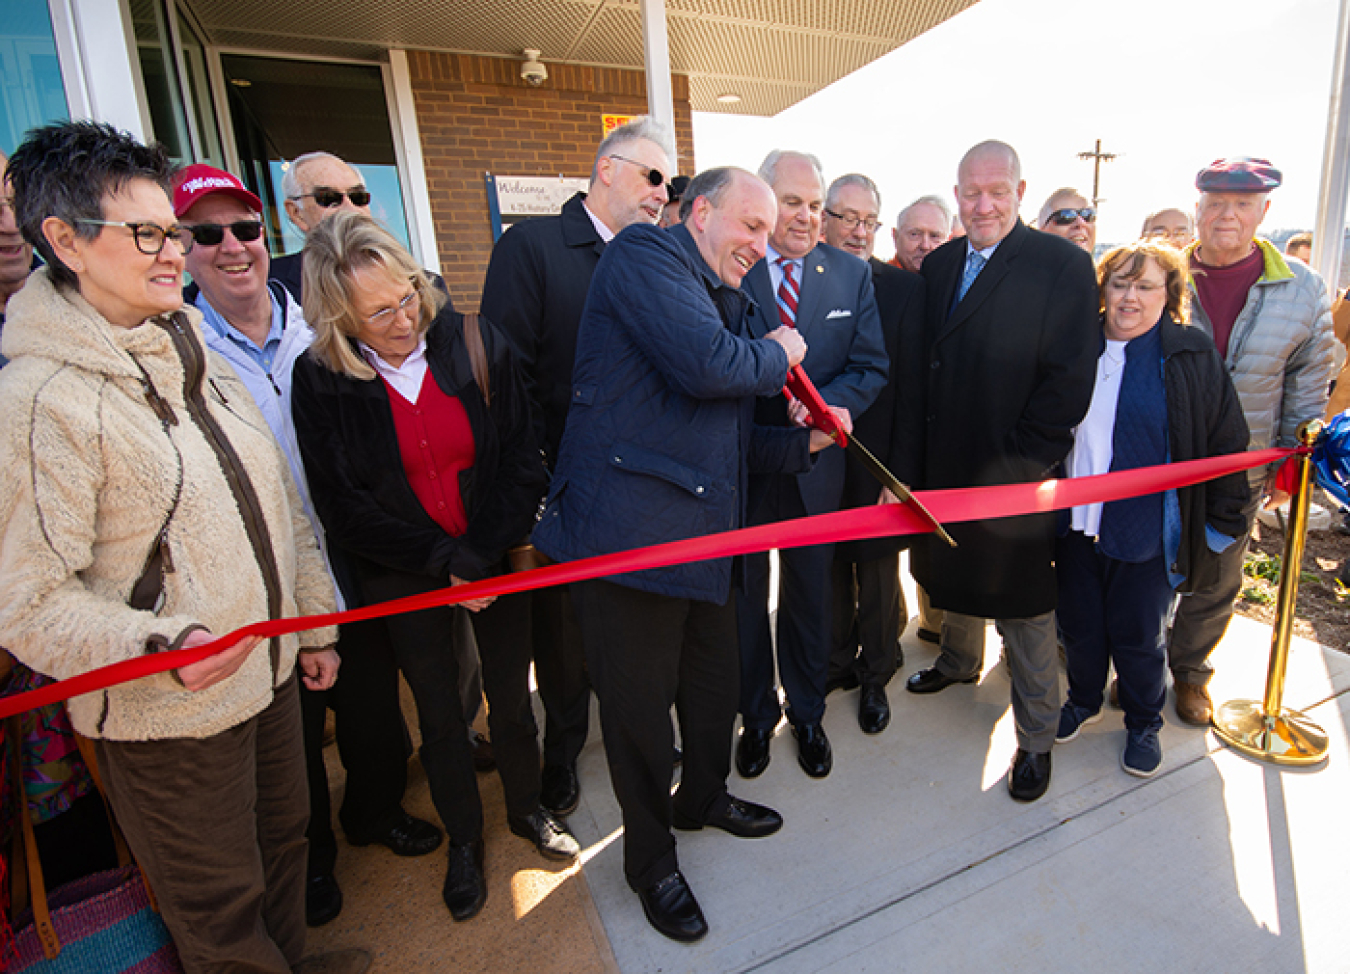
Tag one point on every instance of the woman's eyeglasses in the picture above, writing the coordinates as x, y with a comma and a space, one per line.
329, 198
149, 237
1066, 216
385, 316
211, 234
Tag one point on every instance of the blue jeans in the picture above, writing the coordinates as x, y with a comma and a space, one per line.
1114, 612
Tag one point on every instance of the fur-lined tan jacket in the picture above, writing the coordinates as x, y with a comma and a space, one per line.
112, 436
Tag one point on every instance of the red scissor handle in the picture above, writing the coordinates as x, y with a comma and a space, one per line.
800, 386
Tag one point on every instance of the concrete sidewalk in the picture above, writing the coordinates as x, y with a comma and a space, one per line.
911, 856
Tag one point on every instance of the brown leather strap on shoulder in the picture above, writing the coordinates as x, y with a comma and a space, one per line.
478, 361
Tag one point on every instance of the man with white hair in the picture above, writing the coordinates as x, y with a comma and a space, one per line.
316, 185
536, 287
827, 295
1271, 322
869, 605
1067, 213
921, 228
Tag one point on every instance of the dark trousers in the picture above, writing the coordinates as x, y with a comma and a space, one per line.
869, 617
423, 648
560, 669
1202, 616
1114, 612
646, 653
371, 741
218, 826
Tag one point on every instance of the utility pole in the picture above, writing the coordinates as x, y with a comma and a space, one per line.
1098, 157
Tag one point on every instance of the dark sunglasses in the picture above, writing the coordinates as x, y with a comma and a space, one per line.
211, 234
328, 198
1066, 216
654, 176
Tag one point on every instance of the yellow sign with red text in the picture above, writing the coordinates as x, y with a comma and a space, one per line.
608, 123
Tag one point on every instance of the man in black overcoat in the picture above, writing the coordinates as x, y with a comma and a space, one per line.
536, 287
1013, 339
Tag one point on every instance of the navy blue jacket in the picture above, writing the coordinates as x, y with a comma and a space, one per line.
660, 437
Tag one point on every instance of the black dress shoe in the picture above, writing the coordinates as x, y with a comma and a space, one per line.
929, 636
752, 752
465, 889
741, 818
559, 790
549, 834
874, 711
1029, 776
323, 900
406, 836
931, 681
671, 908
813, 749
484, 760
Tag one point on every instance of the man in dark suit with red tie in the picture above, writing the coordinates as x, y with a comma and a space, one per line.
1013, 339
827, 295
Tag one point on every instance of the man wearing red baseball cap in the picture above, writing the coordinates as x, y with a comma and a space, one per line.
258, 328
1271, 322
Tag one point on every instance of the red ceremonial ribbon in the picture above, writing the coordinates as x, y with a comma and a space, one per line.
878, 521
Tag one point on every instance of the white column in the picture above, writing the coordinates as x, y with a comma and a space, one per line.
1330, 228
656, 45
96, 45
408, 147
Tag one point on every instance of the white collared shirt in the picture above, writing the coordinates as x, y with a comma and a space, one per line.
1094, 439
407, 378
606, 234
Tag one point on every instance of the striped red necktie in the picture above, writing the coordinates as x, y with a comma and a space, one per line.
788, 292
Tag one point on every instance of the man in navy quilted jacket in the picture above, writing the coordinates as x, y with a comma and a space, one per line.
659, 443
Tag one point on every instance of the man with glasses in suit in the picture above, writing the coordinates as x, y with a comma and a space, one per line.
316, 185
536, 287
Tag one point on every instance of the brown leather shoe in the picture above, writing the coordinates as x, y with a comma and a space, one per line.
1193, 704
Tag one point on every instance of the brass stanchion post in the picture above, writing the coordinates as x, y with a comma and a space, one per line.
1265, 729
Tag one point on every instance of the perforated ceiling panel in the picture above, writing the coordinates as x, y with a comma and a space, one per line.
773, 53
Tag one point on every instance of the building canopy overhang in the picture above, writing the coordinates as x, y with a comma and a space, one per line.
771, 54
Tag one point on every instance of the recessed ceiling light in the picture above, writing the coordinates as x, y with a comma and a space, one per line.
729, 98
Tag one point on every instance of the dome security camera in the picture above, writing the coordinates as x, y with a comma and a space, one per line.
533, 70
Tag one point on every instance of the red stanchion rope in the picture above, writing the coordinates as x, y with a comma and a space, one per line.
883, 520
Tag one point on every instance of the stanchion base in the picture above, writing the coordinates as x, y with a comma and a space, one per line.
1291, 738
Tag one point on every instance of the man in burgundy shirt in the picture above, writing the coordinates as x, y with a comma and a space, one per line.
1271, 322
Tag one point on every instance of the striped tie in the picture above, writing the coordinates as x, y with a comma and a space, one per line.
788, 292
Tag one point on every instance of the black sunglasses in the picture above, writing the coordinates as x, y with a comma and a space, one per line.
328, 198
654, 176
210, 234
1066, 216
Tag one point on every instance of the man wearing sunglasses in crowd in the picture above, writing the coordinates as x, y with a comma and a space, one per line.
316, 185
535, 289
257, 327
1068, 214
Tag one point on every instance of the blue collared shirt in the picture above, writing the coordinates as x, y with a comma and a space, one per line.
264, 355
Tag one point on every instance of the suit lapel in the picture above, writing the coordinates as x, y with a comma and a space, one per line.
759, 286
987, 281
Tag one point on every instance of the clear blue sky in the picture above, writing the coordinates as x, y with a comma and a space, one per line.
1167, 84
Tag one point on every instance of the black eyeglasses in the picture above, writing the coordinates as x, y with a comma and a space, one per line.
328, 198
149, 237
211, 234
851, 222
654, 176
1066, 216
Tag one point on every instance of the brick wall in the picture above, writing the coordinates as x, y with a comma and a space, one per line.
476, 115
